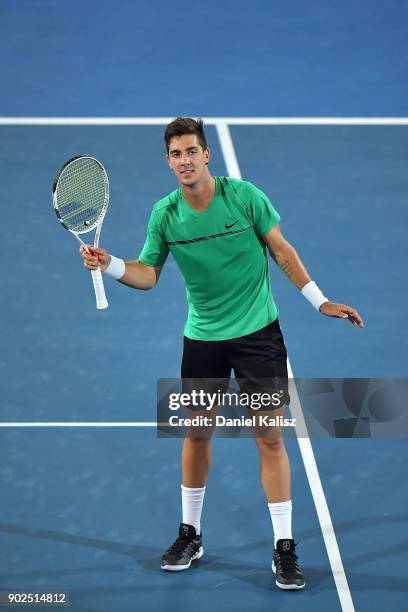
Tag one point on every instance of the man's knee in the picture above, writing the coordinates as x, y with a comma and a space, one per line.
270, 445
197, 444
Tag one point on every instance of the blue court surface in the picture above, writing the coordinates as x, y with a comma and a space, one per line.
89, 497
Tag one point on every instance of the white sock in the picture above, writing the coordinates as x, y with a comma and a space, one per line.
192, 501
281, 515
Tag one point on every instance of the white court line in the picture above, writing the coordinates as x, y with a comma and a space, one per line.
305, 444
80, 424
208, 120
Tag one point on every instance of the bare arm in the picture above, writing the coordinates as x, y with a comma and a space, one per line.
137, 274
140, 276
286, 257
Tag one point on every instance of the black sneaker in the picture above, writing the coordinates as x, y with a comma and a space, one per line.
285, 566
184, 550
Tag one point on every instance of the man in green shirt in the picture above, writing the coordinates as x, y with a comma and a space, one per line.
219, 231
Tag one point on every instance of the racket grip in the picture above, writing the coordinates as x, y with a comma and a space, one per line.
101, 301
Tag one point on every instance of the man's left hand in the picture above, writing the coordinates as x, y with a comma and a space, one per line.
342, 311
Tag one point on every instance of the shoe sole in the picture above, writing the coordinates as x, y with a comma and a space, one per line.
287, 587
180, 568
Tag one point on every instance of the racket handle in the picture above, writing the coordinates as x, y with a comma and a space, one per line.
101, 301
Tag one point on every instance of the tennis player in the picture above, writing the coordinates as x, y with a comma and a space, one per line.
219, 231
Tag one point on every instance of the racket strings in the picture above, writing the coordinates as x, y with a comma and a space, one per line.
81, 194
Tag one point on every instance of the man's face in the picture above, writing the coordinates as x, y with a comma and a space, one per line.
187, 159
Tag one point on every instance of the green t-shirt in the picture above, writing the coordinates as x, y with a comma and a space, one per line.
221, 255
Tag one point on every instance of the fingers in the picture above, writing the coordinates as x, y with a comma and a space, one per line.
82, 248
356, 321
91, 261
342, 311
97, 250
352, 315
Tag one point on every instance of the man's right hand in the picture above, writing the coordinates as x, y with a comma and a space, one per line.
96, 258
137, 274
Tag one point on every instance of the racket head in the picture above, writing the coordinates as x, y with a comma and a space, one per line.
80, 194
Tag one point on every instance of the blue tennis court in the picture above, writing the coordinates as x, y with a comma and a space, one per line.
90, 498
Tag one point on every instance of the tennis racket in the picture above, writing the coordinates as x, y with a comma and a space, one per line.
80, 194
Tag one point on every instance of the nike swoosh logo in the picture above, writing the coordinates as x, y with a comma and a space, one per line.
228, 226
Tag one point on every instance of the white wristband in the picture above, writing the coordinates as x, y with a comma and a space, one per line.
116, 267
312, 293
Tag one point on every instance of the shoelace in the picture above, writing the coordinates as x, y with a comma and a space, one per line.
179, 544
288, 561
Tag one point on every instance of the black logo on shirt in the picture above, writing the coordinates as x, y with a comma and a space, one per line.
228, 226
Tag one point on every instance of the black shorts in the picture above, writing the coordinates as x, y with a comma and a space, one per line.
258, 361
